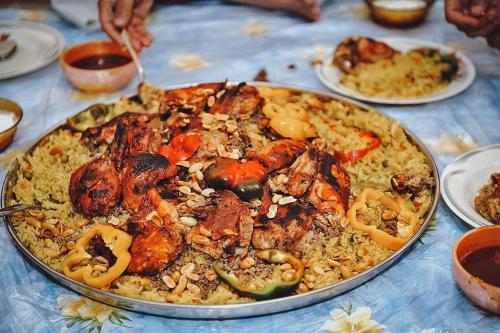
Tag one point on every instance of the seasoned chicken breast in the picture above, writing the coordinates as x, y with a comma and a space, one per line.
94, 188
140, 177
278, 154
227, 226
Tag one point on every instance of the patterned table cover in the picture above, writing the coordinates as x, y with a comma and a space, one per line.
417, 294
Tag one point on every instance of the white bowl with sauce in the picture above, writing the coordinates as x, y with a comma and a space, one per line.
400, 13
10, 116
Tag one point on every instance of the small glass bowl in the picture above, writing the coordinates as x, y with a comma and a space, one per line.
7, 135
399, 13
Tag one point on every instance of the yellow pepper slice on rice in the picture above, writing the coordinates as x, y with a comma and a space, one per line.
289, 121
117, 240
379, 236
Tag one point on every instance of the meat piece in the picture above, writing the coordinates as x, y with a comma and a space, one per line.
487, 203
286, 229
412, 184
98, 248
229, 222
191, 99
240, 99
154, 247
94, 188
330, 191
133, 135
105, 133
140, 176
278, 154
356, 50
303, 172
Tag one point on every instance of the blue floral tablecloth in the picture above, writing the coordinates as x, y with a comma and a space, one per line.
417, 294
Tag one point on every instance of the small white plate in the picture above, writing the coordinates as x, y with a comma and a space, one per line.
330, 75
37, 46
463, 178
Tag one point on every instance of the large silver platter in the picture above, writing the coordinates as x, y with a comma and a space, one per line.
233, 310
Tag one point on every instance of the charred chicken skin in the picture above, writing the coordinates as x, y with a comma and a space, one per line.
240, 99
229, 226
322, 179
94, 188
105, 133
279, 153
133, 135
154, 247
356, 50
191, 99
140, 176
286, 229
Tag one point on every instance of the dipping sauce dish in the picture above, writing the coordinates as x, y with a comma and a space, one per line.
399, 13
10, 116
98, 66
476, 266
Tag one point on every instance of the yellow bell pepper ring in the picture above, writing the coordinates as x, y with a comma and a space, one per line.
289, 121
379, 236
117, 240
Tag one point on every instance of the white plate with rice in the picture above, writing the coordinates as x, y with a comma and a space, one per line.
330, 75
464, 177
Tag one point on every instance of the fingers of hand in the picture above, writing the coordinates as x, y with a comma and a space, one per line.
478, 8
106, 18
123, 12
494, 39
142, 8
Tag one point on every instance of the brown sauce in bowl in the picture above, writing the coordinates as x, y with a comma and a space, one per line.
485, 264
101, 61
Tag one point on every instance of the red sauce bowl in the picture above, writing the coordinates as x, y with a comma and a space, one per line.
97, 80
481, 293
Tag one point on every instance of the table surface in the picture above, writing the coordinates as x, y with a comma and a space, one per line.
416, 294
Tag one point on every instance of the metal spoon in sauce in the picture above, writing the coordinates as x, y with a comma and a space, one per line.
134, 55
16, 208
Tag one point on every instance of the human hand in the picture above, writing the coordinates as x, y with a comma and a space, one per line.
494, 39
116, 15
474, 17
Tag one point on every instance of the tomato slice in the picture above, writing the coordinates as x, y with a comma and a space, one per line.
181, 147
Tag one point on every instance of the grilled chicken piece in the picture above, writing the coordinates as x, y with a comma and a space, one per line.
413, 185
133, 135
278, 154
303, 172
191, 99
356, 50
154, 247
330, 190
105, 133
286, 229
229, 224
140, 176
94, 188
240, 99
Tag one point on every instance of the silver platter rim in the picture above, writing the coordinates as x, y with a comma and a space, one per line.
229, 311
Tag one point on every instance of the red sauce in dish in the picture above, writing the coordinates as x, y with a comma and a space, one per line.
101, 61
485, 264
